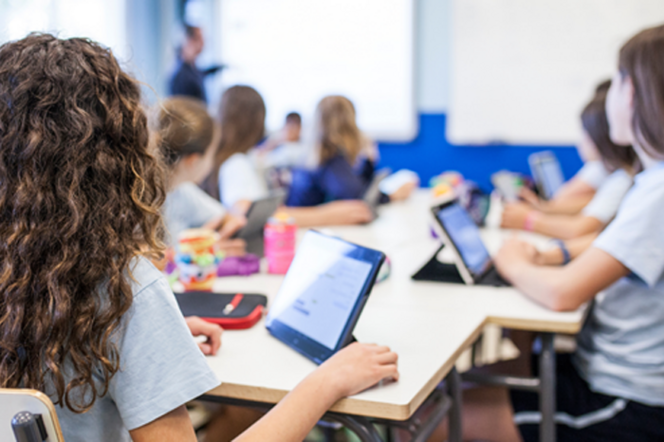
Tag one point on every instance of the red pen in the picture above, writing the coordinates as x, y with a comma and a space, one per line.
233, 304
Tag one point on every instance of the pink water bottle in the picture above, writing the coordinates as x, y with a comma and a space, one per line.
279, 243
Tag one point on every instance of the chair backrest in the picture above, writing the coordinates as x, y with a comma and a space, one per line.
15, 401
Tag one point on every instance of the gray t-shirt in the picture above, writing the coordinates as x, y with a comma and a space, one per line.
608, 197
189, 207
621, 347
161, 366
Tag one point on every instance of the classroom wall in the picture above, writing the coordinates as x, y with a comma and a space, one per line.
430, 153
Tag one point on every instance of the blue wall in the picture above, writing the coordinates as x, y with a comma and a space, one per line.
430, 154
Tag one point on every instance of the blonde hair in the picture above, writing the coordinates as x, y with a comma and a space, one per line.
336, 130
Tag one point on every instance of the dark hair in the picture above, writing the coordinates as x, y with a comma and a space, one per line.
642, 60
80, 198
184, 128
603, 87
242, 118
294, 117
596, 125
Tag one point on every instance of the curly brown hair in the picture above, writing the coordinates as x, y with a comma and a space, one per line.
80, 195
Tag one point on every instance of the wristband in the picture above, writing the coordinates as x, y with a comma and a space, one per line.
566, 256
529, 222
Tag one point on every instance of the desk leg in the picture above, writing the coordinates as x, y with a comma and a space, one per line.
455, 430
361, 426
547, 397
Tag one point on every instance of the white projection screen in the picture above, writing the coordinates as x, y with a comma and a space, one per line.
294, 52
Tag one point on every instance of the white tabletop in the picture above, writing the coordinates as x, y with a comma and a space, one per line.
428, 324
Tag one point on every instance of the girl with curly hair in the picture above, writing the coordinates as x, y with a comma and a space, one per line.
84, 316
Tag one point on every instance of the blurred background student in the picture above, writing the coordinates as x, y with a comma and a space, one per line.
187, 136
576, 193
235, 178
343, 158
620, 161
188, 79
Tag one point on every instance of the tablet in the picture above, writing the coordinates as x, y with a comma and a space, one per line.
322, 295
546, 172
257, 215
508, 184
372, 194
459, 231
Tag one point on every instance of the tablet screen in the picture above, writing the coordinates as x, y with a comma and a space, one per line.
322, 292
552, 177
546, 170
466, 237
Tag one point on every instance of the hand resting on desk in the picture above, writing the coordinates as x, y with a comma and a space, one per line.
212, 332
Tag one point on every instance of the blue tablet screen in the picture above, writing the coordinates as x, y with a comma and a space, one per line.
466, 237
321, 290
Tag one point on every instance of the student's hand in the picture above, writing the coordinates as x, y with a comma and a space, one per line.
513, 254
529, 197
199, 327
226, 225
404, 191
514, 216
358, 367
233, 247
231, 225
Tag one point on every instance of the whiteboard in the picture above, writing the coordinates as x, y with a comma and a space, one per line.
294, 52
522, 70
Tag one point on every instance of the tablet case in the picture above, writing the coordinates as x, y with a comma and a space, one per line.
210, 307
437, 271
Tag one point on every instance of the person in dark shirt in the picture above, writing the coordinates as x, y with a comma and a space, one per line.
187, 79
339, 142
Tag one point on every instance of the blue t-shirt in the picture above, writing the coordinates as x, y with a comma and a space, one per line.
161, 367
621, 347
333, 180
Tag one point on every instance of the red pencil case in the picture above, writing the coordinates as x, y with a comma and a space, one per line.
231, 311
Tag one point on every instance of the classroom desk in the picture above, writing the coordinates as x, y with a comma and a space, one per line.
428, 324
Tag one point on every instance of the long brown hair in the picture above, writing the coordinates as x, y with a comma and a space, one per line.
242, 118
183, 128
596, 125
80, 194
336, 130
642, 59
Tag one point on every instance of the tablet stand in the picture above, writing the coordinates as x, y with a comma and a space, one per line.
437, 271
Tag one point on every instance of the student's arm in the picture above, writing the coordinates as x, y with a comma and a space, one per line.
558, 288
517, 216
554, 256
355, 368
335, 213
574, 188
564, 205
174, 426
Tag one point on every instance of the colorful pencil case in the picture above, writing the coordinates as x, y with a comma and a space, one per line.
231, 311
